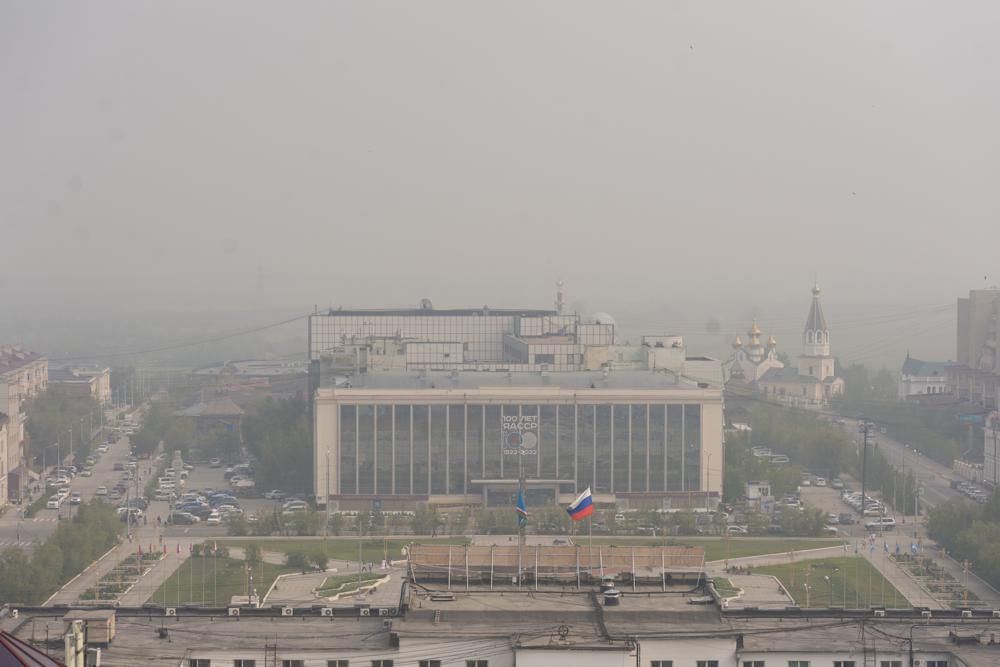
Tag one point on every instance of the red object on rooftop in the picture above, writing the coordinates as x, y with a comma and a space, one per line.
16, 653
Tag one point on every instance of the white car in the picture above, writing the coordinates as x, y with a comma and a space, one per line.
214, 519
881, 523
101, 491
53, 503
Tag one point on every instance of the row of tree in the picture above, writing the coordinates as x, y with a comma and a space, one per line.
933, 430
970, 532
57, 418
75, 544
277, 434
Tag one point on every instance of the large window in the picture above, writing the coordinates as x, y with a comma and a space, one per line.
492, 433
547, 445
753, 663
421, 433
381, 663
585, 446
366, 449
293, 663
798, 663
619, 440
692, 447
244, 663
456, 449
567, 442
199, 662
477, 663
657, 439
710, 663
640, 466
602, 449
402, 421
429, 663
675, 458
383, 450
888, 663
439, 448
474, 442
338, 663
850, 663
661, 663
348, 449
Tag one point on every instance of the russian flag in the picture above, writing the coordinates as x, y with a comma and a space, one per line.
582, 507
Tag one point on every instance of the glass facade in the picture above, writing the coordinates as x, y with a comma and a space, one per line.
408, 449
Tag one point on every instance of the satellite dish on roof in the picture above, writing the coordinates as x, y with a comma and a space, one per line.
425, 304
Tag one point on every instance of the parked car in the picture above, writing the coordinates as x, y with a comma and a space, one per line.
882, 523
215, 463
274, 494
182, 518
737, 530
53, 503
119, 466
837, 483
101, 491
846, 519
87, 472
75, 498
214, 519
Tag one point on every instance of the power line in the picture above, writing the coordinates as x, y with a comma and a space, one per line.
179, 346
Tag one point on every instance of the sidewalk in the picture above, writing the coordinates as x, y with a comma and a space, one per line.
70, 593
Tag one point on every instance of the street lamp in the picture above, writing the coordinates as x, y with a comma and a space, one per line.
829, 580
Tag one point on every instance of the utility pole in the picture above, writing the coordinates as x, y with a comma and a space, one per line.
865, 427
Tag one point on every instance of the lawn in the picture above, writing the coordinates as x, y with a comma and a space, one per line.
854, 582
341, 548
332, 585
718, 548
197, 582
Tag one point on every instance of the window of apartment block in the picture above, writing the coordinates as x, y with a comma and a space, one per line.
891, 663
753, 663
337, 663
429, 663
477, 663
381, 663
936, 663
293, 663
199, 662
244, 663
707, 663
843, 663
661, 663
798, 663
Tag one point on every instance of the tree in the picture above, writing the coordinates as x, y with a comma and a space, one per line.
297, 559
236, 525
336, 524
252, 553
424, 520
51, 415
319, 559
278, 434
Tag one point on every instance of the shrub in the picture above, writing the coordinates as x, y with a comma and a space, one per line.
320, 560
297, 559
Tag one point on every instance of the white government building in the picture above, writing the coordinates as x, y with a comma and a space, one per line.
409, 407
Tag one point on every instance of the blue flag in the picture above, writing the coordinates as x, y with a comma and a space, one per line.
522, 510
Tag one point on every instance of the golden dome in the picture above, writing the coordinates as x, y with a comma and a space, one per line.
755, 330
738, 342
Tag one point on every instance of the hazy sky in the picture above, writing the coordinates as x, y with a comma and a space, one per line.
671, 161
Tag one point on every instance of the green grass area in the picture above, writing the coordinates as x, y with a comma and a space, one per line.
342, 548
853, 582
198, 582
725, 587
718, 548
343, 583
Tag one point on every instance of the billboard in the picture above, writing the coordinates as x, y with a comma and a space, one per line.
519, 435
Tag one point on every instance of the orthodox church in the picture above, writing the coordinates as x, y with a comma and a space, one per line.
814, 380
750, 361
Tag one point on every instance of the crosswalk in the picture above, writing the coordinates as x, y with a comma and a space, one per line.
44, 519
13, 543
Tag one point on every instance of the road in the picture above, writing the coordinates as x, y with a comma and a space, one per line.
15, 530
932, 476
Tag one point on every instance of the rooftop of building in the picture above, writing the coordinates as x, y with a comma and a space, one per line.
222, 406
137, 639
917, 368
13, 357
787, 375
701, 374
485, 311
69, 375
